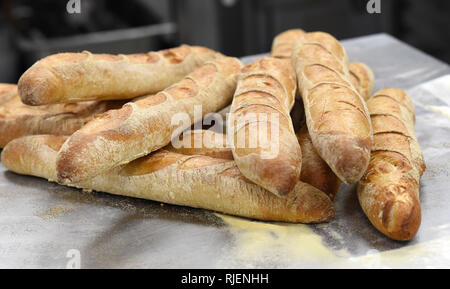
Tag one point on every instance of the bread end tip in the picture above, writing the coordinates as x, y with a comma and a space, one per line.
37, 87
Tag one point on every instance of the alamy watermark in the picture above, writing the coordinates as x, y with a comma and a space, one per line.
73, 6
74, 256
259, 132
373, 6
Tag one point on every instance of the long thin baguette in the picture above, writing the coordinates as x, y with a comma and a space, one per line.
315, 171
18, 119
195, 181
362, 78
73, 77
336, 115
389, 190
138, 128
266, 88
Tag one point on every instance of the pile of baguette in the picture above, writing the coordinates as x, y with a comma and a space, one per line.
105, 122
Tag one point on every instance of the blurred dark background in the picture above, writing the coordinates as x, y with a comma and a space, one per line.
31, 29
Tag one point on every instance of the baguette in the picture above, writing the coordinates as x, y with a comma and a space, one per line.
336, 115
389, 190
73, 77
138, 128
284, 42
18, 119
314, 172
362, 78
266, 88
195, 181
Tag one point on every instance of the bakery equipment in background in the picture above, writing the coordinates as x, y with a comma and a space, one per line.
30, 29
239, 28
40, 28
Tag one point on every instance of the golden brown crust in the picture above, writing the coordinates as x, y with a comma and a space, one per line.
284, 42
389, 190
315, 170
336, 115
33, 155
138, 128
362, 78
266, 88
73, 77
18, 119
195, 181
7, 92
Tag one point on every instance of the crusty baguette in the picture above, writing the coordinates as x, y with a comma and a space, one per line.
336, 115
361, 75
195, 181
284, 42
73, 77
362, 78
266, 87
389, 190
18, 119
138, 128
315, 170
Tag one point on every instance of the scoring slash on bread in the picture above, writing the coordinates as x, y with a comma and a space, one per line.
389, 190
265, 89
336, 115
361, 76
72, 77
145, 125
18, 119
195, 181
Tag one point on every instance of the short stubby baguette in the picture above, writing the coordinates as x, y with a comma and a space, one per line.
194, 181
260, 128
73, 77
362, 78
389, 190
314, 172
284, 42
336, 115
18, 119
147, 124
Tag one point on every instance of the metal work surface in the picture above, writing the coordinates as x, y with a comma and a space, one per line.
41, 222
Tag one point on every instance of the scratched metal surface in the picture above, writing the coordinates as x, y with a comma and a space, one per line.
40, 221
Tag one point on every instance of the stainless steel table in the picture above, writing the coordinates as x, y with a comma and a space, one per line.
41, 223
